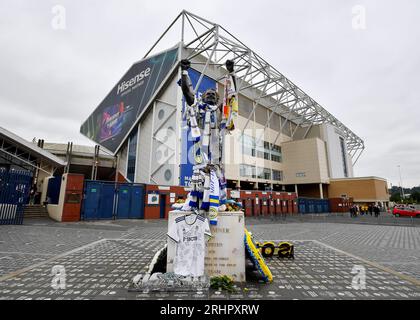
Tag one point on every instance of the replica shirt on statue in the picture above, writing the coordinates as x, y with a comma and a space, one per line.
190, 233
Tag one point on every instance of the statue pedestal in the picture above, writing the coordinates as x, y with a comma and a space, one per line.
225, 251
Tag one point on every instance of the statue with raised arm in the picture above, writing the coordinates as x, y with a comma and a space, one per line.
209, 120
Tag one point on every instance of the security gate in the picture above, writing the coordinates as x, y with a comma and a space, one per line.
308, 205
14, 193
109, 200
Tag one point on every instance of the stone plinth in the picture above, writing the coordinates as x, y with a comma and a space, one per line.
225, 251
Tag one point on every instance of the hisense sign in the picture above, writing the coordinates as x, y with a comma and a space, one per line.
135, 81
111, 122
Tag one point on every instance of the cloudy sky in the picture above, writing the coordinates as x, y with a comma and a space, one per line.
369, 78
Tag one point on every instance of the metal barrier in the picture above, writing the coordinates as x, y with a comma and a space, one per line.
109, 200
14, 193
309, 205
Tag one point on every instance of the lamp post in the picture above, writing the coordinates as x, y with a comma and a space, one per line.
401, 186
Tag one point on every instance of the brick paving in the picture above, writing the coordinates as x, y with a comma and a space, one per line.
100, 259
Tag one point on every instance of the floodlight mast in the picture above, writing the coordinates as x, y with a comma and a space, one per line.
201, 37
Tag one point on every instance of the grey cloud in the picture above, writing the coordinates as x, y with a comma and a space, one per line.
52, 80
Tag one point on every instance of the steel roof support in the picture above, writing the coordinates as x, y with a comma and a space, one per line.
256, 74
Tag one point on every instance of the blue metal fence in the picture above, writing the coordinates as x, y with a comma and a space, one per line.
14, 194
309, 205
108, 200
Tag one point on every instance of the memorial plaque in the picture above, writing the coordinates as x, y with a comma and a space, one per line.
225, 253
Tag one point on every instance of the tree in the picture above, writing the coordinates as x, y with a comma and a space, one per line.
395, 197
415, 195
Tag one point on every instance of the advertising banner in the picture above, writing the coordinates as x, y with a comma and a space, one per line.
113, 118
187, 154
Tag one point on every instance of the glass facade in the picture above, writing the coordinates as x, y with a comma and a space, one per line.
343, 154
260, 149
132, 155
248, 145
276, 153
264, 173
277, 175
249, 171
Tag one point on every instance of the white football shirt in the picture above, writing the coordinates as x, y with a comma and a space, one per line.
190, 233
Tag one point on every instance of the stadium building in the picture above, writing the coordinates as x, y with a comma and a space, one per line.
284, 140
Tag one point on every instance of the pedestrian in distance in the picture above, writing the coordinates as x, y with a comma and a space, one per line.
370, 209
32, 194
376, 210
353, 211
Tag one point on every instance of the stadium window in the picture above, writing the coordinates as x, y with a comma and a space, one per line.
276, 153
242, 170
132, 155
267, 174
267, 150
264, 173
247, 171
248, 145
277, 175
259, 146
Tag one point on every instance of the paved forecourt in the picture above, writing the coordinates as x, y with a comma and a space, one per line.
101, 258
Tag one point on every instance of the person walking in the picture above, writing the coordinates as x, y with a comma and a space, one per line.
376, 210
32, 193
370, 209
353, 211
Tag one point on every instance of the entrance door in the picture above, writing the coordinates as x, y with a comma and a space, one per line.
137, 202
106, 202
123, 208
91, 200
162, 206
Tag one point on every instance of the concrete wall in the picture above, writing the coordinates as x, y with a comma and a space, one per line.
305, 162
55, 211
313, 132
370, 189
164, 142
144, 149
157, 146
